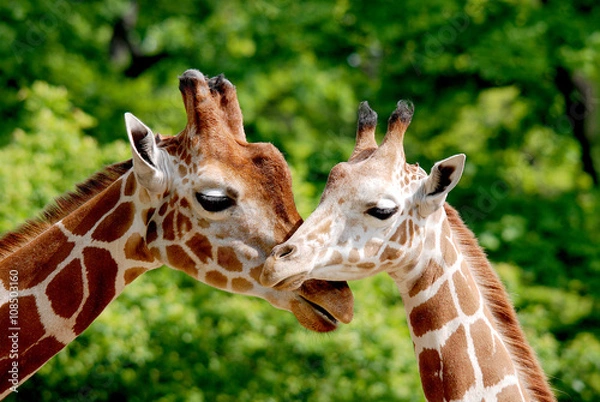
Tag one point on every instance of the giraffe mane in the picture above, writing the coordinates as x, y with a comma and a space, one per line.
61, 207
497, 300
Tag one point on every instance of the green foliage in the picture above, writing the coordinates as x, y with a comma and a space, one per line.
484, 77
48, 154
196, 343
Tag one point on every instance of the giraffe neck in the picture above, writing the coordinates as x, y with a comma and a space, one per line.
466, 335
61, 280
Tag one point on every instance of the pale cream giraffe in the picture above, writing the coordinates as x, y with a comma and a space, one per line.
378, 213
206, 202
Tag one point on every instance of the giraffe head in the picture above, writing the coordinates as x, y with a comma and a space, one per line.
215, 205
373, 212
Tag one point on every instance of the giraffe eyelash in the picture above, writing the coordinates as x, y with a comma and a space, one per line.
214, 203
382, 213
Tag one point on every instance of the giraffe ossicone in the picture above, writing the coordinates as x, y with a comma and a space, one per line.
205, 202
380, 214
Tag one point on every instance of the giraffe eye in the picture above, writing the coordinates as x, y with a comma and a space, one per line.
382, 213
214, 203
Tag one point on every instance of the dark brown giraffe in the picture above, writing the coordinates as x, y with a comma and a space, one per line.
379, 213
205, 202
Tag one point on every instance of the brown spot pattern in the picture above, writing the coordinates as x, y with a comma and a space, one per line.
354, 256
135, 249
216, 279
446, 231
411, 228
466, 290
156, 252
65, 291
168, 226
255, 273
147, 214
371, 249
493, 358
173, 200
89, 214
241, 285
336, 258
430, 368
144, 195
37, 355
132, 273
182, 170
366, 265
115, 225
101, 271
324, 227
184, 224
458, 372
400, 235
509, 394
432, 272
179, 259
130, 185
434, 313
390, 253
5, 323
448, 250
490, 317
29, 319
151, 232
227, 259
163, 209
42, 258
201, 247
29, 322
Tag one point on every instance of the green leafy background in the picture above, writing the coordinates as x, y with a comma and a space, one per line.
513, 84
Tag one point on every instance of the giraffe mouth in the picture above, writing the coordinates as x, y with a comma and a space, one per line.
291, 283
321, 305
321, 311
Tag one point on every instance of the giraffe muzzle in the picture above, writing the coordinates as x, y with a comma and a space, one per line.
291, 282
332, 301
284, 251
279, 270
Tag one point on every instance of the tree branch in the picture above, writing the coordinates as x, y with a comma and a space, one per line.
576, 110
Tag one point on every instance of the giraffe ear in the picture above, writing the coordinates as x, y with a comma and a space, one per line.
148, 163
444, 177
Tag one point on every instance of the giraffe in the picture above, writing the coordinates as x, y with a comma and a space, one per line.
379, 213
205, 202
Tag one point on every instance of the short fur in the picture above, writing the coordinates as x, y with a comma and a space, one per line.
62, 206
499, 304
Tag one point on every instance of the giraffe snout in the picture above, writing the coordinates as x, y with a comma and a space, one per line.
283, 251
279, 268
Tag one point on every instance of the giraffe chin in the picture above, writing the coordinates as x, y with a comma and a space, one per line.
291, 283
321, 305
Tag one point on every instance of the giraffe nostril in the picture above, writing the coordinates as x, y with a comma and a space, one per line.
284, 251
